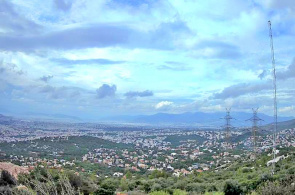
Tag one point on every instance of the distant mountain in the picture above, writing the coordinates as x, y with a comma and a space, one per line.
282, 125
52, 116
5, 119
196, 119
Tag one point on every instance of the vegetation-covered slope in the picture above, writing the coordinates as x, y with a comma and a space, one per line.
241, 177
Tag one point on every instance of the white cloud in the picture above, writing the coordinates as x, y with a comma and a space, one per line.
163, 104
287, 110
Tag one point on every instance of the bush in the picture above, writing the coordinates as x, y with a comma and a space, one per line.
180, 184
159, 193
156, 187
107, 187
246, 170
271, 188
232, 188
195, 187
146, 186
75, 180
88, 186
124, 184
279, 188
6, 190
212, 188
42, 181
7, 179
179, 192
291, 170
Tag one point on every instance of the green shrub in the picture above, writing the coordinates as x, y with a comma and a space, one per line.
291, 170
195, 187
107, 187
246, 170
75, 180
156, 187
212, 188
6, 190
232, 188
179, 192
180, 184
159, 193
7, 179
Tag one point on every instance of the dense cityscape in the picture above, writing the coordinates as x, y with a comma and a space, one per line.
142, 149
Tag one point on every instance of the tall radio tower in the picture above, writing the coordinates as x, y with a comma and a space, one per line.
254, 120
275, 108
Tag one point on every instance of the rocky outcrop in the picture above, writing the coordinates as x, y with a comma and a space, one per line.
13, 169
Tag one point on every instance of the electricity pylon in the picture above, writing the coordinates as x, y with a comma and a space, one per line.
254, 120
228, 127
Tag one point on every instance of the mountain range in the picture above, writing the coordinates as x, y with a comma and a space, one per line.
189, 119
195, 119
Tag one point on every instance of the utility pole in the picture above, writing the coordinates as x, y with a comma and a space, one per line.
227, 127
254, 120
275, 109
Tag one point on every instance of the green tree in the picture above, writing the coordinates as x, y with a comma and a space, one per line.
124, 185
128, 175
107, 187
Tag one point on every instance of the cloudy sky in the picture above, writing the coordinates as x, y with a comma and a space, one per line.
96, 58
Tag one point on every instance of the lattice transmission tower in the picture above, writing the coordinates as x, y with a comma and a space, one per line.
255, 119
227, 128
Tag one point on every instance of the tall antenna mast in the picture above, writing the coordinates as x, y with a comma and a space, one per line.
255, 120
275, 109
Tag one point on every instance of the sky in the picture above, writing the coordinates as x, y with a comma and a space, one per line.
93, 59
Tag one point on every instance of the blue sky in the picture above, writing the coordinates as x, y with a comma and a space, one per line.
92, 58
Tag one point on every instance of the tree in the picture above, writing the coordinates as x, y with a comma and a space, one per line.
128, 175
123, 185
107, 187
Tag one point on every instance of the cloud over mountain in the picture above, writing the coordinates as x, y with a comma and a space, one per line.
241, 89
106, 91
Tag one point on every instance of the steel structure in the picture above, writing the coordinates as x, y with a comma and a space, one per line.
255, 119
228, 127
275, 108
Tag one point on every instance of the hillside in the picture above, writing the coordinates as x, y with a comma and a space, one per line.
68, 148
244, 176
282, 125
